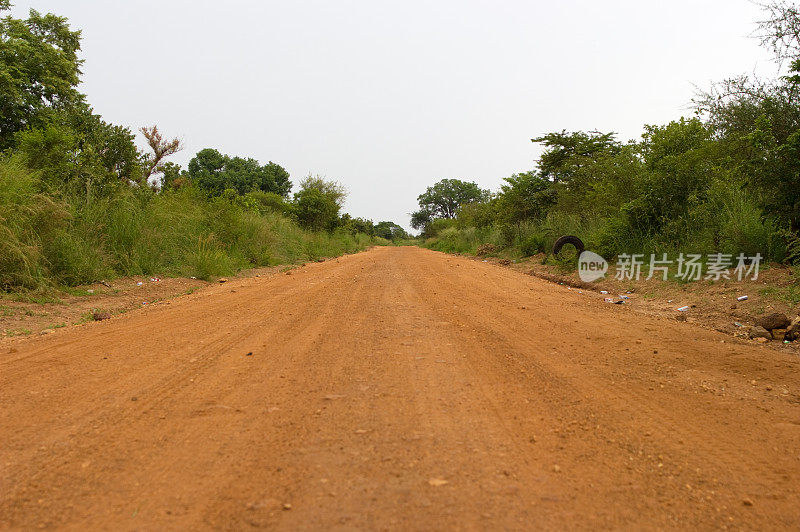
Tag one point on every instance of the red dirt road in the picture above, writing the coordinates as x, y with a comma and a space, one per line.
396, 389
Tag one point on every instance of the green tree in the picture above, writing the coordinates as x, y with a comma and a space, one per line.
318, 202
77, 152
443, 199
357, 225
566, 153
172, 177
390, 231
421, 218
757, 123
39, 70
525, 196
613, 180
478, 214
275, 179
214, 172
680, 163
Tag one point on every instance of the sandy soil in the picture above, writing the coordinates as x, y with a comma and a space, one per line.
24, 314
712, 304
396, 389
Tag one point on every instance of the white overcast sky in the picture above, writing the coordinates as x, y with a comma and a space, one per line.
388, 97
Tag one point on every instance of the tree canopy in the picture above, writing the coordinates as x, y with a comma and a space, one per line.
79, 202
390, 231
725, 180
39, 70
443, 199
566, 153
214, 172
318, 202
526, 195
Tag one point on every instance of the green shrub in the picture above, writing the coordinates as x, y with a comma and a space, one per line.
209, 259
533, 244
26, 218
44, 242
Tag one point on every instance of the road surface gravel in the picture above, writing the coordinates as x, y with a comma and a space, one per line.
398, 388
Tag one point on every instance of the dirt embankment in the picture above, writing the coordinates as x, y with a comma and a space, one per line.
711, 304
29, 314
398, 388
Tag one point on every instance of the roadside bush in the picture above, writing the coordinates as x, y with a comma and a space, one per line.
453, 240
533, 244
209, 259
25, 217
438, 225
45, 242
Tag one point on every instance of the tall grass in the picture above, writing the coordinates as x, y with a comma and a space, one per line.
523, 239
729, 221
47, 242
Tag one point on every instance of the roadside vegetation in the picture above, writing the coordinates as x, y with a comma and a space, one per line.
726, 179
79, 202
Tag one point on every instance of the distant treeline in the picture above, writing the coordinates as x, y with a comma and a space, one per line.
726, 180
79, 202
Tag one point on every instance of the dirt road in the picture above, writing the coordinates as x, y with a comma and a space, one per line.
396, 389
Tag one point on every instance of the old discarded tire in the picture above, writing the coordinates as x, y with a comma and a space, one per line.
568, 239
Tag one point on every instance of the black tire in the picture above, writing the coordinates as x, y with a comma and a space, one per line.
568, 239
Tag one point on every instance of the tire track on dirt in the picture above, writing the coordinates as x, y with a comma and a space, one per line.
398, 388
731, 460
